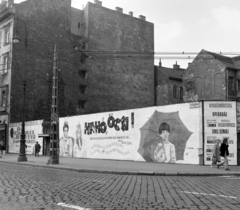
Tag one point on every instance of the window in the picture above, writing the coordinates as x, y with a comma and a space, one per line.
82, 58
231, 83
5, 63
174, 91
82, 88
83, 45
7, 36
83, 74
81, 104
181, 93
238, 84
3, 99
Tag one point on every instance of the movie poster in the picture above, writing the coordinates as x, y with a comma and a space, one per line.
32, 129
220, 122
164, 134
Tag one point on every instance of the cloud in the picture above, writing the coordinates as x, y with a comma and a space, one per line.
166, 32
227, 18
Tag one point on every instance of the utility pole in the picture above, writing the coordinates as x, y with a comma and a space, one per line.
54, 135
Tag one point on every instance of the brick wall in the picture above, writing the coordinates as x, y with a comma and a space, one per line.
204, 79
47, 24
120, 73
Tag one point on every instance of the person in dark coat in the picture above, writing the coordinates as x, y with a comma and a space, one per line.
224, 154
37, 149
1, 148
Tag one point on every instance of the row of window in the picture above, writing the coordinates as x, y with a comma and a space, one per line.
175, 92
3, 99
83, 25
6, 37
82, 88
4, 63
231, 83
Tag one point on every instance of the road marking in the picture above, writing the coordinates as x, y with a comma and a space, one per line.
234, 178
196, 193
232, 197
73, 206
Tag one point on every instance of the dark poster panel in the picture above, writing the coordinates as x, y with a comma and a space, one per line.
238, 149
3, 134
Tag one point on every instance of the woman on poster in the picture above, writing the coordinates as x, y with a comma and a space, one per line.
66, 143
164, 151
78, 148
216, 153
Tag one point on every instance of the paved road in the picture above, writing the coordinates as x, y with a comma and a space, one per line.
27, 187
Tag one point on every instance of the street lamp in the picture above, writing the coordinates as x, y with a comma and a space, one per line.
22, 153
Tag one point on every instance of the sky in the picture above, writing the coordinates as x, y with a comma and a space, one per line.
185, 26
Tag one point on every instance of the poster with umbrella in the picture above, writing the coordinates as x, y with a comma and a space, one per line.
150, 138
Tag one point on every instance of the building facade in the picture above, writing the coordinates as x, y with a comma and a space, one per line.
212, 76
6, 31
120, 72
168, 85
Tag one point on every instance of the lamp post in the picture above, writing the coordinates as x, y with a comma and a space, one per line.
22, 153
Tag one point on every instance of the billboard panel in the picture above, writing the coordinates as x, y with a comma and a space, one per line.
32, 129
166, 134
220, 122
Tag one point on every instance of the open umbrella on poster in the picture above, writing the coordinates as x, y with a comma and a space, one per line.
179, 134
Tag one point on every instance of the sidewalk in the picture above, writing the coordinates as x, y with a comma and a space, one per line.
122, 167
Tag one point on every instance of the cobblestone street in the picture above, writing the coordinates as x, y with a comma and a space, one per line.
26, 187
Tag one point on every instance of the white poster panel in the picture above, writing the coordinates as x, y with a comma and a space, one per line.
32, 129
219, 123
166, 134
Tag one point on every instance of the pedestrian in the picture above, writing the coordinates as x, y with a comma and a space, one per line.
216, 153
1, 148
37, 149
224, 154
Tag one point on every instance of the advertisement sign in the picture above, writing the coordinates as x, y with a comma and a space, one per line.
32, 129
166, 134
219, 123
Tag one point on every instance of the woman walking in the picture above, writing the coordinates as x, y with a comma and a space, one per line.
224, 154
216, 153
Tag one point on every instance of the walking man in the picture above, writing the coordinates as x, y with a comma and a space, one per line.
37, 149
224, 154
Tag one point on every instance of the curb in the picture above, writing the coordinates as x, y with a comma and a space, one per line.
140, 173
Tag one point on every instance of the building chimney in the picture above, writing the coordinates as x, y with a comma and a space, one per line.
119, 9
131, 13
142, 17
175, 66
99, 3
160, 63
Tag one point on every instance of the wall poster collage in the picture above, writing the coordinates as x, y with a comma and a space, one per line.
32, 129
163, 134
220, 122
